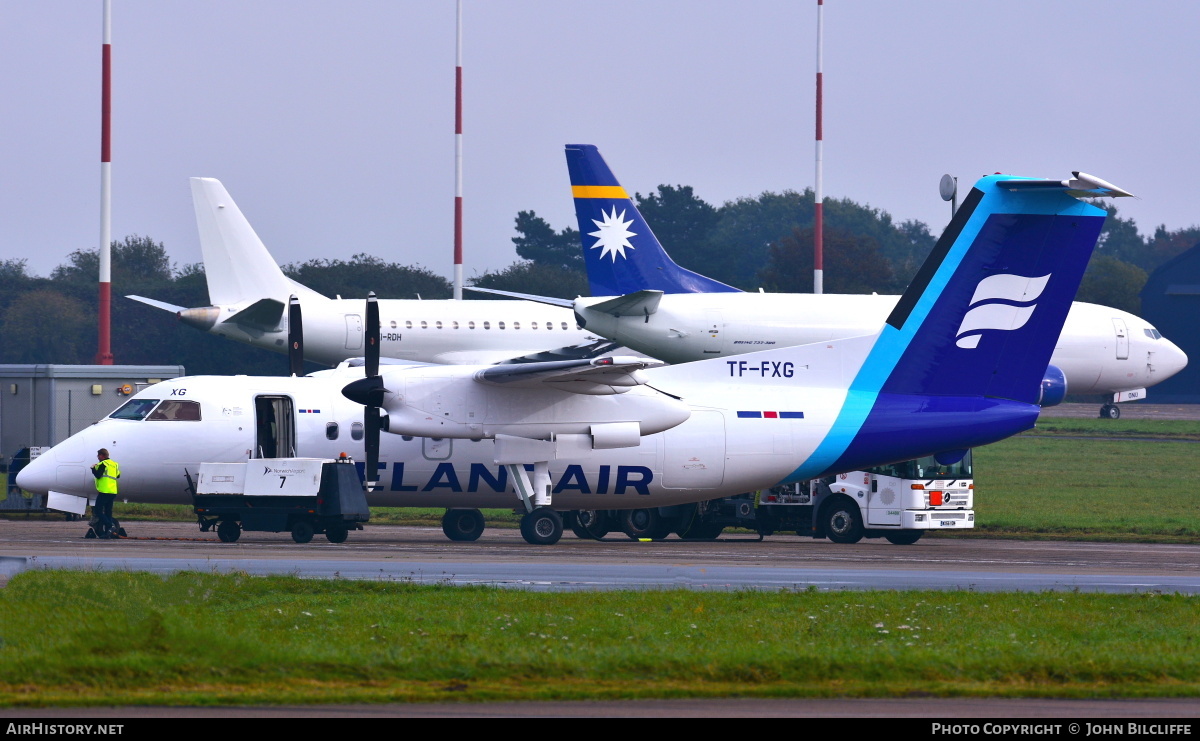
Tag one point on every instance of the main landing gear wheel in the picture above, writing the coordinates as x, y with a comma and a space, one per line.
642, 524
543, 526
1110, 411
228, 531
462, 524
904, 537
843, 521
337, 533
590, 524
302, 531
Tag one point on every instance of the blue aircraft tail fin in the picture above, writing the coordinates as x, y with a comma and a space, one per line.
621, 252
961, 358
983, 314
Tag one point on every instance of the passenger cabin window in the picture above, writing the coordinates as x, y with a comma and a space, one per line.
487, 325
393, 324
134, 409
408, 324
356, 431
516, 325
424, 324
564, 325
470, 325
176, 411
500, 325
331, 430
454, 325
438, 325
533, 325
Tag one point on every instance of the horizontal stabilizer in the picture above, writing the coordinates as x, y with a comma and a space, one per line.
263, 315
564, 302
1080, 186
159, 304
639, 303
598, 376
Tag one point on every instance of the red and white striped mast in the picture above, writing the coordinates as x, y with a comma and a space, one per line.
818, 193
104, 352
458, 191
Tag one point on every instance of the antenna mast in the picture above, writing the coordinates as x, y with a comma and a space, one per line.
458, 191
104, 352
818, 193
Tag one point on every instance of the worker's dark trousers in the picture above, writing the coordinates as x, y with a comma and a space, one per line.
103, 510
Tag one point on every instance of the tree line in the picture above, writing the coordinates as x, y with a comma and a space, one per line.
751, 243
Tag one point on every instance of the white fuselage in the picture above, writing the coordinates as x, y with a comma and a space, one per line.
715, 452
1101, 350
438, 331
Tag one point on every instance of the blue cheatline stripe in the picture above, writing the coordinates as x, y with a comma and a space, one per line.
792, 415
891, 343
750, 415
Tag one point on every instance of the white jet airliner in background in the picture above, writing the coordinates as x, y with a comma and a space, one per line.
644, 301
958, 363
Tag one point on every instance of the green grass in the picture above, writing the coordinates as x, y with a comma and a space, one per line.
1036, 485
78, 638
1120, 428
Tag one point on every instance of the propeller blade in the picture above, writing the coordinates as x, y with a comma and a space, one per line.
372, 358
295, 337
371, 442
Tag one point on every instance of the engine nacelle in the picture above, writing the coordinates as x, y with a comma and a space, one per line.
1054, 387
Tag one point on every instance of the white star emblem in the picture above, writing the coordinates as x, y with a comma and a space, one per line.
612, 236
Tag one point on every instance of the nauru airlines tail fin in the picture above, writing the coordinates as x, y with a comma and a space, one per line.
237, 266
621, 252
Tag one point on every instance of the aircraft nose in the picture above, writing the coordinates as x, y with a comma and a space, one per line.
39, 475
1169, 360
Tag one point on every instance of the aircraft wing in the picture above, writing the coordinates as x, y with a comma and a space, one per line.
563, 302
585, 351
158, 304
598, 376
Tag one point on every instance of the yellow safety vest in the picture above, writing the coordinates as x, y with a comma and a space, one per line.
107, 483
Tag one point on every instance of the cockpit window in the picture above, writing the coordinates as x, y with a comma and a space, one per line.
1153, 333
176, 411
134, 409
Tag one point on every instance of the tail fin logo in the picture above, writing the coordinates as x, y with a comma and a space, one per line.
613, 234
1001, 302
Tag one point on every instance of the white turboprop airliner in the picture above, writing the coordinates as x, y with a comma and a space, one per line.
646, 302
958, 363
250, 293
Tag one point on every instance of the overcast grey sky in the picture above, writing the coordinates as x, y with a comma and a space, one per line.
332, 124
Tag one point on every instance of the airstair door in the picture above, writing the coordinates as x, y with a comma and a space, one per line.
275, 424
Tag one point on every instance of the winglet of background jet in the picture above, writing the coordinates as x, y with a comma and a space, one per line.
621, 252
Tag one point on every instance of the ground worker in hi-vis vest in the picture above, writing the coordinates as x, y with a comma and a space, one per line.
106, 472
